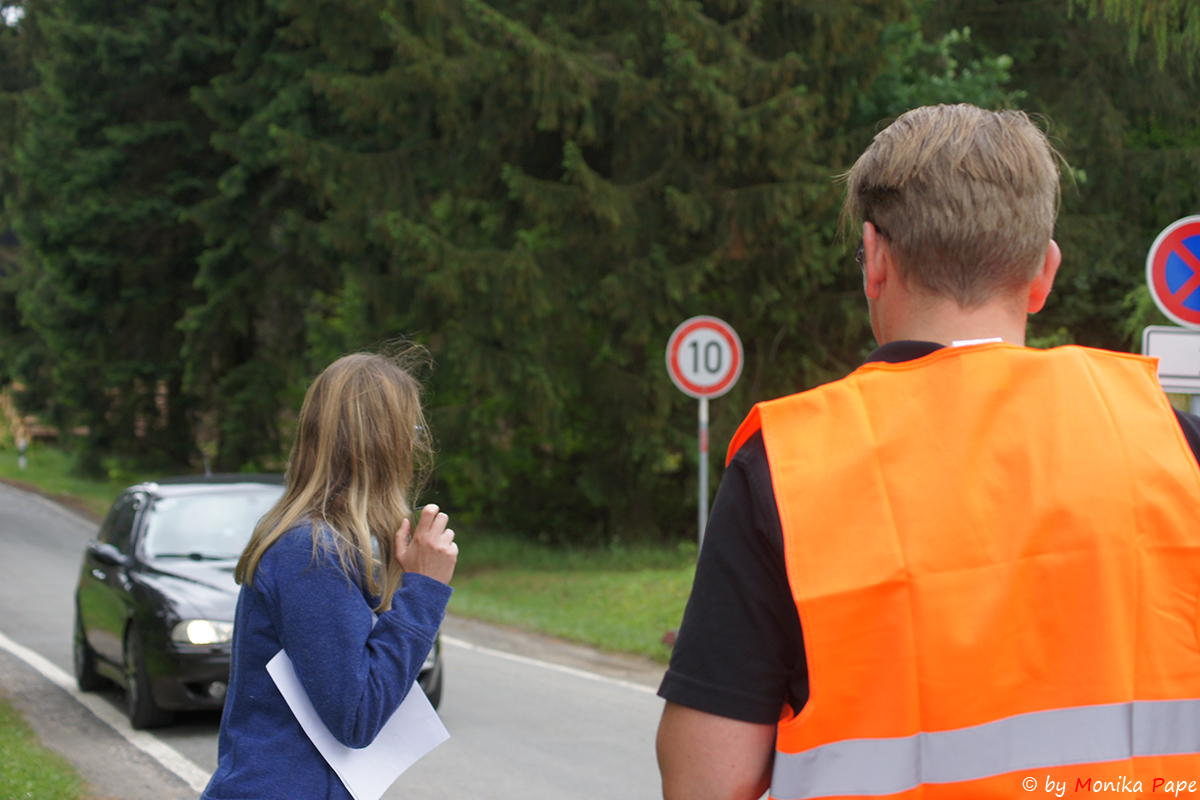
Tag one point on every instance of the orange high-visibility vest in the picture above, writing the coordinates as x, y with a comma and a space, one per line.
995, 553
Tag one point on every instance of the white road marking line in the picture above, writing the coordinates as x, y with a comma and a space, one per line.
171, 759
579, 673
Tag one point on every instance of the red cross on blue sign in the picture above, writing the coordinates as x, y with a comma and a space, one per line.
1173, 271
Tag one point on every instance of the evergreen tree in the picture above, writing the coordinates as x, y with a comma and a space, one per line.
109, 154
263, 266
24, 359
541, 191
537, 191
16, 76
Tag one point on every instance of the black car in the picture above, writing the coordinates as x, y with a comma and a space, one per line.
156, 597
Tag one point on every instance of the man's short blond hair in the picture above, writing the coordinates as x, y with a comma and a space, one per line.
965, 198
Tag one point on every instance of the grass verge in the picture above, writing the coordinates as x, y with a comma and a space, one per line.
29, 770
49, 474
619, 599
618, 611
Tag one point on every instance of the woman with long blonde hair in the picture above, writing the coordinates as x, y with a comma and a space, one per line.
336, 575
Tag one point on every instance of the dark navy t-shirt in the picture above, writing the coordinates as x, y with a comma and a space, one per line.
740, 649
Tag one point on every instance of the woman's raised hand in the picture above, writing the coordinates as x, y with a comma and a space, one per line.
431, 550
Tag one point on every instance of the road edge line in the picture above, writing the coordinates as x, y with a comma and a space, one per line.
550, 665
171, 759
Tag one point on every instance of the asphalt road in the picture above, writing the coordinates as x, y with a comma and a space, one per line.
529, 717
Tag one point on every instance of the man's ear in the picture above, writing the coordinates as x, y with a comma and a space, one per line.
1039, 290
877, 262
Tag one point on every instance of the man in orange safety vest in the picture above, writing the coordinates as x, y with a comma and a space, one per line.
969, 569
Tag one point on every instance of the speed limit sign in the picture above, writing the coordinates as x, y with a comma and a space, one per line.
704, 357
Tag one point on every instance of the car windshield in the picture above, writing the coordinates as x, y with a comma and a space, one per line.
212, 525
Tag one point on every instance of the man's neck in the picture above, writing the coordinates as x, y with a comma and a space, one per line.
945, 322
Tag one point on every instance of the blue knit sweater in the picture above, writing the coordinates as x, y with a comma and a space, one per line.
355, 674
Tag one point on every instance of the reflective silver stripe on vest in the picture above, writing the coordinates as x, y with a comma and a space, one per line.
1039, 739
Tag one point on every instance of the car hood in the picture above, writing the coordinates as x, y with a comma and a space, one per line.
200, 589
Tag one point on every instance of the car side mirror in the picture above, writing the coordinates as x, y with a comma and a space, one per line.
107, 554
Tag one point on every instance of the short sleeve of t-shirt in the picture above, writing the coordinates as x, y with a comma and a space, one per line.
739, 651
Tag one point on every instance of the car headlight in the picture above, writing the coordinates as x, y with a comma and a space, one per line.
202, 631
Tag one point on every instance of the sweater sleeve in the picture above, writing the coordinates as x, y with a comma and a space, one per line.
356, 671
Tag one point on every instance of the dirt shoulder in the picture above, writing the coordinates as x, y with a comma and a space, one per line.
113, 768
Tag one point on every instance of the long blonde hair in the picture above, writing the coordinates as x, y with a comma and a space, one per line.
361, 442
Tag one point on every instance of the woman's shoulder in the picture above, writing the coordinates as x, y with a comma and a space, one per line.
299, 534
298, 543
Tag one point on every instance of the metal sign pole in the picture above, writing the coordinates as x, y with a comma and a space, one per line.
703, 466
704, 359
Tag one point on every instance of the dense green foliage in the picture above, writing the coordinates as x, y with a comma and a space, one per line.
21, 352
1174, 25
1131, 134
110, 153
585, 181
216, 199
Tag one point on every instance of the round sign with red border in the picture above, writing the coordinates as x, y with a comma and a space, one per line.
1173, 271
704, 357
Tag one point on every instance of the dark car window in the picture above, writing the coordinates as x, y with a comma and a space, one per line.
209, 525
110, 519
124, 528
118, 525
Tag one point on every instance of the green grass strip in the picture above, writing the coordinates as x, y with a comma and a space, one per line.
622, 611
29, 771
48, 472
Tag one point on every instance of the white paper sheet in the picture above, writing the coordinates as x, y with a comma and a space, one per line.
413, 731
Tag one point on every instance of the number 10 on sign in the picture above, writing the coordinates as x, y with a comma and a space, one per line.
704, 359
